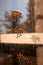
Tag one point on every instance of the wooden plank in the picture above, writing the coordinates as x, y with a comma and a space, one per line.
26, 38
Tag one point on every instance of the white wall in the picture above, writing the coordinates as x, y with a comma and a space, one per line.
26, 38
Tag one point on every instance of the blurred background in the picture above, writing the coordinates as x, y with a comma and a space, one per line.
26, 22
31, 19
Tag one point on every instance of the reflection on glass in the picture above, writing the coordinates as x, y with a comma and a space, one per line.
27, 16
16, 14
21, 54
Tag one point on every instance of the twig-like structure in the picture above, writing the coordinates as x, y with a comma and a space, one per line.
16, 16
